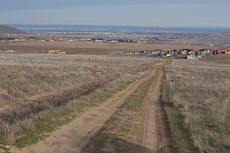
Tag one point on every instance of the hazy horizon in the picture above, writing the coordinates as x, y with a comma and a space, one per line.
13, 24
38, 28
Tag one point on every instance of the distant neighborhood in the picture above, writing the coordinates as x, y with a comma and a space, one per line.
9, 34
188, 53
112, 38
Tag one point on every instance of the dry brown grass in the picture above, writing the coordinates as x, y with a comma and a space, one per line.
201, 90
33, 85
91, 47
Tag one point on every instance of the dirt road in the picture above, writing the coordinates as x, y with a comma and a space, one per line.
144, 136
149, 130
136, 131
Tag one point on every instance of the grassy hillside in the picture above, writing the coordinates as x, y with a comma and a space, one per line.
10, 30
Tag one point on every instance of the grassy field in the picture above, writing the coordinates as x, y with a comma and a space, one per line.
199, 105
222, 59
40, 92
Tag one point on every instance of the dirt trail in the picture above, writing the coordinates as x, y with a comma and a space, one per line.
136, 131
74, 136
150, 130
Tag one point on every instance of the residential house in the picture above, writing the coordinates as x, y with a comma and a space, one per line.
205, 51
191, 52
224, 51
169, 53
184, 51
214, 52
174, 52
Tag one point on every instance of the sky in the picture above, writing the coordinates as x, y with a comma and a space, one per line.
157, 13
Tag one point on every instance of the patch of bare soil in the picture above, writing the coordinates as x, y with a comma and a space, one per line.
130, 131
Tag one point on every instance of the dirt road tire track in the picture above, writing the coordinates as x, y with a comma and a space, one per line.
150, 130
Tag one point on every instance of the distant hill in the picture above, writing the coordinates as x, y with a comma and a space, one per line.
10, 30
116, 28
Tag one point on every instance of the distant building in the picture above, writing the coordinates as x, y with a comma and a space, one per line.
224, 51
98, 40
191, 52
184, 51
57, 51
114, 41
214, 52
174, 52
205, 51
191, 57
169, 53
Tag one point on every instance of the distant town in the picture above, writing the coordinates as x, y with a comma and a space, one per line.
210, 39
218, 37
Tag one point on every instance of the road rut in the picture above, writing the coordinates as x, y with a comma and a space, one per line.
150, 131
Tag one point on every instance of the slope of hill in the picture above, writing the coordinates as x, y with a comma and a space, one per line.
10, 30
